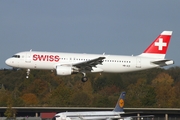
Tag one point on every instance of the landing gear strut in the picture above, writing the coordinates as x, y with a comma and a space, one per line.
28, 72
84, 78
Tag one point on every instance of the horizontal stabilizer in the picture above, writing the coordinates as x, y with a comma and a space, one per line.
163, 62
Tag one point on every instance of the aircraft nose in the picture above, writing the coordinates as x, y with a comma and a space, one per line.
8, 62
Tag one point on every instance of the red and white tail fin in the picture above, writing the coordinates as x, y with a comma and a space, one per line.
159, 46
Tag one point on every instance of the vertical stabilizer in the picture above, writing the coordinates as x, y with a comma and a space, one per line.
120, 103
158, 48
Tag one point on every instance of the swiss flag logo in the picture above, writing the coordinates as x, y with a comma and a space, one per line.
160, 45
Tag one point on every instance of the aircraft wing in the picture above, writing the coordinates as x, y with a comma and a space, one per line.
99, 118
87, 65
137, 117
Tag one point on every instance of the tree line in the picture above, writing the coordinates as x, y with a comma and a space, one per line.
149, 88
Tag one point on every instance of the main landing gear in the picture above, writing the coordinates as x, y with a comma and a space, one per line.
84, 78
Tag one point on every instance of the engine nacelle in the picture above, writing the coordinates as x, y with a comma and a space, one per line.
64, 70
126, 118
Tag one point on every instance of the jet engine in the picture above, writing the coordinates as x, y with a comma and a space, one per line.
63, 117
64, 70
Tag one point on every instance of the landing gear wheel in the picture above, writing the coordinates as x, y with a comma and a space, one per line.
28, 72
84, 79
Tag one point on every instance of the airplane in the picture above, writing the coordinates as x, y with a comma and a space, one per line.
73, 63
95, 115
116, 113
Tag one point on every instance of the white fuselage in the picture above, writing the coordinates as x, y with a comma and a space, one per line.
69, 63
49, 61
94, 115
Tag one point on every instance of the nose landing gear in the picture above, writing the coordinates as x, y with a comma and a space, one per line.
28, 72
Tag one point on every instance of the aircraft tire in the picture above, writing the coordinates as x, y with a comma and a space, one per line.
84, 79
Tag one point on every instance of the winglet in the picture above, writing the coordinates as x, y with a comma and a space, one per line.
159, 46
120, 103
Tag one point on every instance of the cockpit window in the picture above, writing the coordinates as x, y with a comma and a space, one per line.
16, 56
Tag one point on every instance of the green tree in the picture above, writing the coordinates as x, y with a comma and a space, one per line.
174, 72
165, 92
10, 112
61, 96
30, 99
138, 94
80, 99
4, 96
